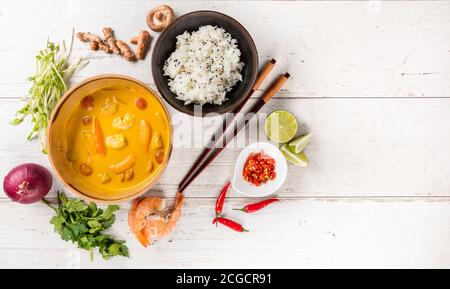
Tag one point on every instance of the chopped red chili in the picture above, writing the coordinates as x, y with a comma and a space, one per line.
259, 168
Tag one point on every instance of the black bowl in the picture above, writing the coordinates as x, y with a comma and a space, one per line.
190, 22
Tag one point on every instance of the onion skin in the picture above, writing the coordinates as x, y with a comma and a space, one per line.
27, 183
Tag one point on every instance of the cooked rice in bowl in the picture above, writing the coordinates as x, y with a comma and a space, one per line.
204, 66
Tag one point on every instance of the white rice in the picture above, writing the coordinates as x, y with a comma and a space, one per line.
204, 66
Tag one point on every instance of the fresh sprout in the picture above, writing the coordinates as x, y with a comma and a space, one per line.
49, 83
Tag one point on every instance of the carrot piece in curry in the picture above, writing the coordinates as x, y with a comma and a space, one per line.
144, 135
99, 141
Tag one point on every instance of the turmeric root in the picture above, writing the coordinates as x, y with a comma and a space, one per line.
134, 40
110, 40
143, 44
110, 44
96, 41
94, 45
125, 50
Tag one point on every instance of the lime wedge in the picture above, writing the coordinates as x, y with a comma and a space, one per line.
281, 126
299, 159
300, 142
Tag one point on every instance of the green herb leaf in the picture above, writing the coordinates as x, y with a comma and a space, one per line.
58, 222
74, 205
109, 212
84, 224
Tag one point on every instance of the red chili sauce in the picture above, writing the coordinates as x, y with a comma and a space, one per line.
259, 168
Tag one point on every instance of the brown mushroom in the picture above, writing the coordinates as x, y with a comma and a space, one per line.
160, 17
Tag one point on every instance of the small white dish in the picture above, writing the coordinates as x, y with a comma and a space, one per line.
247, 189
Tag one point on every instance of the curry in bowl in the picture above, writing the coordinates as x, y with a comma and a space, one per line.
110, 138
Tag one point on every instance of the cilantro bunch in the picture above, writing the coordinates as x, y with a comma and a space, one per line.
84, 224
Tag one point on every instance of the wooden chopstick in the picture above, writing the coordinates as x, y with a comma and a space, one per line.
267, 96
216, 136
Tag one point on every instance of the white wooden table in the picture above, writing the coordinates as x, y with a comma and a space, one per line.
371, 80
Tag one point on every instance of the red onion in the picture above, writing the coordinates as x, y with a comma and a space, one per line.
27, 183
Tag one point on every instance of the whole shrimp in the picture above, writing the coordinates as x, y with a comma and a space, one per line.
150, 219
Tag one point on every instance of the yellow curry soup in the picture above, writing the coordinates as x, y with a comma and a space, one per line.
117, 138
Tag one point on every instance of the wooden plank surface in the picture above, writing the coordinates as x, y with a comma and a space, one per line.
295, 233
332, 48
370, 81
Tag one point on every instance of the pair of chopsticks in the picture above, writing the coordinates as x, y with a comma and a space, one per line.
205, 158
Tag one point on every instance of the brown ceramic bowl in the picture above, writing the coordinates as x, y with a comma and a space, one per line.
190, 22
56, 145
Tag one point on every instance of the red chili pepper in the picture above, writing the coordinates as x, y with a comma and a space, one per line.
258, 206
221, 199
230, 224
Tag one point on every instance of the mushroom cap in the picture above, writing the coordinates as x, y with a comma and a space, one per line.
160, 17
